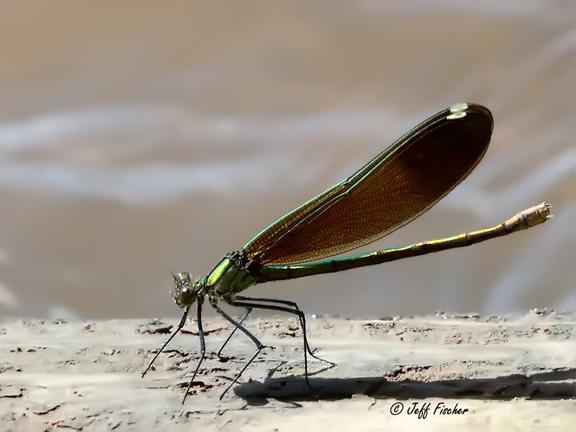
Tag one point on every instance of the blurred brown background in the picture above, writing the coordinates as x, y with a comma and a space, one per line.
139, 138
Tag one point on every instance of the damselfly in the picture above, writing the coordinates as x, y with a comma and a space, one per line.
394, 188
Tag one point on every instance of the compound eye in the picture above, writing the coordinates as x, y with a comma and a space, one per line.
184, 278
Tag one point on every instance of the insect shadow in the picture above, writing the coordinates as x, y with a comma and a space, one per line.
556, 384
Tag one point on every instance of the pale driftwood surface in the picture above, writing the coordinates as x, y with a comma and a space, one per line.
509, 373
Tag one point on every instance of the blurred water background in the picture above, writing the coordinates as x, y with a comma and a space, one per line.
139, 138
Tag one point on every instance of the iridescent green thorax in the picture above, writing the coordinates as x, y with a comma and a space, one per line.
230, 276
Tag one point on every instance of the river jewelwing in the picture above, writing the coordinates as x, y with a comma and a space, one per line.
395, 187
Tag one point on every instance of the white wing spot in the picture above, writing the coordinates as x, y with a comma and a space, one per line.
458, 107
456, 115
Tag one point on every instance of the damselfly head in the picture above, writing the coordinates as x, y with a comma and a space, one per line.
185, 292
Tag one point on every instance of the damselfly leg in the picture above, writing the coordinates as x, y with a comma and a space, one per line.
180, 325
202, 347
240, 322
252, 303
259, 346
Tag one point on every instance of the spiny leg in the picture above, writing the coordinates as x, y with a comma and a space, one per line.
244, 317
180, 325
259, 346
202, 347
278, 301
282, 309
301, 317
268, 300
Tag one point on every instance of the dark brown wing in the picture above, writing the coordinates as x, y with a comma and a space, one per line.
391, 190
